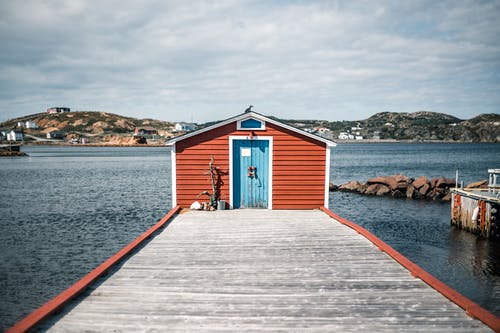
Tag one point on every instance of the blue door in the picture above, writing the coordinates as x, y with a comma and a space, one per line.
250, 173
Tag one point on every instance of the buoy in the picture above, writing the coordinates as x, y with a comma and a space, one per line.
196, 205
457, 203
475, 214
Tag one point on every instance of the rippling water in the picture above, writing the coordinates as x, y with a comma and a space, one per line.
64, 210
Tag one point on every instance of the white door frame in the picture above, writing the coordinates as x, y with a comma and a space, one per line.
231, 170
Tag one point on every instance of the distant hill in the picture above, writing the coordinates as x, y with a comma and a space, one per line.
98, 127
88, 122
104, 127
416, 126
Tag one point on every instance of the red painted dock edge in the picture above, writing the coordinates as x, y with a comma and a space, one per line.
472, 309
57, 302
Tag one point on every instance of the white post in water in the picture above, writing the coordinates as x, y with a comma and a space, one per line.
456, 179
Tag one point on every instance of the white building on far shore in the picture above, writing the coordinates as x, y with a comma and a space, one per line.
30, 124
185, 127
345, 136
15, 135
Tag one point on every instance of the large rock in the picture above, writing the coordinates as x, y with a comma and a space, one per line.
410, 192
388, 181
420, 181
436, 194
442, 182
377, 189
383, 190
445, 182
402, 186
385, 180
372, 189
479, 184
447, 197
398, 194
402, 178
424, 190
362, 188
352, 186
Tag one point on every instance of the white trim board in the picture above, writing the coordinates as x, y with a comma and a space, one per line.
327, 176
173, 156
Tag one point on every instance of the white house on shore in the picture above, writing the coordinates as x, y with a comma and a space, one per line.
57, 109
27, 124
185, 127
345, 136
15, 135
30, 124
56, 135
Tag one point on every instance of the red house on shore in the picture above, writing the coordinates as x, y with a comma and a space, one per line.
261, 163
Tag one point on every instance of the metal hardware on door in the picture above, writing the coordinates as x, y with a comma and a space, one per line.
251, 171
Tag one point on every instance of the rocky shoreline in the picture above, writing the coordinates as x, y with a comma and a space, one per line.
8, 153
401, 186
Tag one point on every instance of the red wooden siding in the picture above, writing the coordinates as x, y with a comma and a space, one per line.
298, 170
298, 166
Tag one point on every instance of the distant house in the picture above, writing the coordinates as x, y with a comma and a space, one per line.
15, 135
346, 136
56, 135
322, 130
3, 134
356, 128
343, 136
21, 124
145, 131
376, 135
185, 127
30, 124
57, 109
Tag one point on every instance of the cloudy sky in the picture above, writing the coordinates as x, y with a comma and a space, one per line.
202, 61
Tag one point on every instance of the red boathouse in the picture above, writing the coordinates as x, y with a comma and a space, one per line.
259, 163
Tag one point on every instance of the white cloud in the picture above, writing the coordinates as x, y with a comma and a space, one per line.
341, 60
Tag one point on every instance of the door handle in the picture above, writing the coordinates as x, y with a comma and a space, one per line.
251, 171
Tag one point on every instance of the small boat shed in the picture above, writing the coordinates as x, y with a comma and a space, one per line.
251, 161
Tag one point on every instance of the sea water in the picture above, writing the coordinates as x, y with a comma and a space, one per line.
64, 210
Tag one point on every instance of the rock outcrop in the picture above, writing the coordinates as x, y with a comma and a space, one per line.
401, 186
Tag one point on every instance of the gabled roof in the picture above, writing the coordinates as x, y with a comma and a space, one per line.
248, 115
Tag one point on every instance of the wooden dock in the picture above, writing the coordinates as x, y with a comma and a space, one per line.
261, 271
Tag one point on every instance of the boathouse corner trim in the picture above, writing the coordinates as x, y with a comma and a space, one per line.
174, 176
295, 176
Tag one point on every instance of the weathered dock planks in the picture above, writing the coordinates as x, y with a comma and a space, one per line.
261, 270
